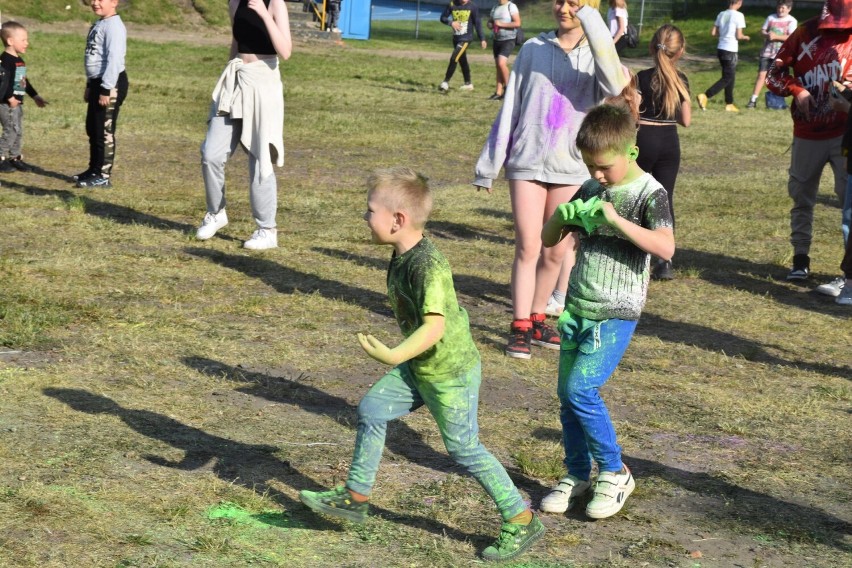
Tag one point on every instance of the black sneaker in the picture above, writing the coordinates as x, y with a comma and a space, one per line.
752, 105
542, 334
336, 503
82, 175
519, 339
801, 268
95, 181
20, 165
663, 270
6, 167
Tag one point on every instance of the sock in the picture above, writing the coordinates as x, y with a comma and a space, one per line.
558, 296
753, 99
524, 518
357, 497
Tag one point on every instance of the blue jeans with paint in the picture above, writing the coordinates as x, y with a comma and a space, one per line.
453, 403
591, 350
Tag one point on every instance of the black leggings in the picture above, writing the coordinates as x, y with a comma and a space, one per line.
459, 57
659, 155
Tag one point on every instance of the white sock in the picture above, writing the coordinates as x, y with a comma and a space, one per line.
559, 297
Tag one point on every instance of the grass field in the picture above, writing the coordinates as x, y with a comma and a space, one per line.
163, 400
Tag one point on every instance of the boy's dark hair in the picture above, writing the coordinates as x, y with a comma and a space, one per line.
403, 189
610, 127
8, 29
788, 3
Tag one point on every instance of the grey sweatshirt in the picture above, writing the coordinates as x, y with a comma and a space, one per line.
106, 47
548, 95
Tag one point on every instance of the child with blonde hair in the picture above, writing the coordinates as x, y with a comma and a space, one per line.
437, 366
665, 104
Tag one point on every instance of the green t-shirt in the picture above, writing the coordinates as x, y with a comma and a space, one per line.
420, 282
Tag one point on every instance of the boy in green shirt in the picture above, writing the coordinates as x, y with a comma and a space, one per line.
437, 365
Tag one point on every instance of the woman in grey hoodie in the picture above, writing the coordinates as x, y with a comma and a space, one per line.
556, 78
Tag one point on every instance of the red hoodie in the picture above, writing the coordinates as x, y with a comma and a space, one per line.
817, 53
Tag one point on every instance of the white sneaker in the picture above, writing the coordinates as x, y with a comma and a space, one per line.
444, 87
262, 239
554, 308
210, 224
466, 87
832, 288
565, 494
611, 491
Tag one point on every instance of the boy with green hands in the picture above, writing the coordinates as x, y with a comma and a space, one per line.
625, 217
436, 366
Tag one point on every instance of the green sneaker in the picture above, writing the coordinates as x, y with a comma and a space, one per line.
336, 503
513, 540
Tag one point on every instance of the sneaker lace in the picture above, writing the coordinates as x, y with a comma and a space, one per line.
209, 218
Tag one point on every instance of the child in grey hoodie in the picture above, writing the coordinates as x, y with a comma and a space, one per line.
556, 78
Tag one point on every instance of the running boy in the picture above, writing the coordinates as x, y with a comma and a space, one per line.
729, 27
625, 217
437, 365
106, 89
16, 41
775, 31
463, 17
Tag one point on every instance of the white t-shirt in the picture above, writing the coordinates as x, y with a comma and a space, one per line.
612, 16
778, 26
727, 24
504, 13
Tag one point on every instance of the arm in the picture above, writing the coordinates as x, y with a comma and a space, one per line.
115, 48
714, 31
445, 15
277, 22
232, 10
741, 36
659, 242
684, 117
780, 78
608, 71
423, 338
622, 28
477, 25
515, 23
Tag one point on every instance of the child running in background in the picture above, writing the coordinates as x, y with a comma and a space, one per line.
556, 77
729, 27
436, 365
625, 218
775, 31
463, 17
16, 41
665, 104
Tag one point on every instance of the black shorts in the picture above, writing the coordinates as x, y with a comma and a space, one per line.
503, 48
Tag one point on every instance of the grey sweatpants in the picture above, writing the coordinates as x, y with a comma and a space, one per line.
808, 159
223, 136
12, 138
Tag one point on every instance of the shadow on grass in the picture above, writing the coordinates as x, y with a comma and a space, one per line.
497, 214
248, 465
756, 511
727, 343
103, 209
758, 278
460, 232
472, 286
286, 280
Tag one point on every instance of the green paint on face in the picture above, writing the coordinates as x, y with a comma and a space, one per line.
235, 514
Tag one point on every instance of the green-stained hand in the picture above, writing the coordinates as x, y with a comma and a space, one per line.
586, 214
376, 349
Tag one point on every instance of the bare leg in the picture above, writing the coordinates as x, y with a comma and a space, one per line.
535, 270
502, 74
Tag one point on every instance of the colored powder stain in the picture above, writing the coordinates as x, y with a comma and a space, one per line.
239, 516
557, 114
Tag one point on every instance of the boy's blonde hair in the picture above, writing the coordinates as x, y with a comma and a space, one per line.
9, 29
610, 127
402, 189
